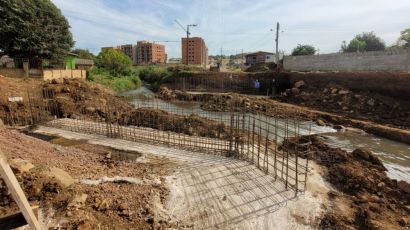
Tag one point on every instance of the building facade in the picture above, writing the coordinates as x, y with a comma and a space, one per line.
127, 50
197, 51
259, 57
150, 53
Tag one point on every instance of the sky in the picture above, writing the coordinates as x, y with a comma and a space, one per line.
233, 25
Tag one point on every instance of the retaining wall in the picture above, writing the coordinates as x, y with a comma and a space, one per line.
389, 60
59, 73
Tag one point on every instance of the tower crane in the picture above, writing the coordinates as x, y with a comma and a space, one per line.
187, 37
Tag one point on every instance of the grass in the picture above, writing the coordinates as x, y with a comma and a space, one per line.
117, 83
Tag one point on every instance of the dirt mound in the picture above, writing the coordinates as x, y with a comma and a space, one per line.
361, 105
368, 199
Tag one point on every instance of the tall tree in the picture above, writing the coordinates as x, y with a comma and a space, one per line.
303, 50
83, 53
364, 42
114, 61
404, 39
34, 28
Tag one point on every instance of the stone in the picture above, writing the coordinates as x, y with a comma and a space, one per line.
1, 122
361, 153
325, 90
357, 96
299, 84
334, 91
90, 109
320, 122
403, 185
61, 176
78, 201
339, 127
1, 76
343, 92
381, 184
345, 108
370, 102
295, 91
123, 206
20, 165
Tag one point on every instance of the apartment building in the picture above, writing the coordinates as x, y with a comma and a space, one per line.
197, 51
127, 50
150, 53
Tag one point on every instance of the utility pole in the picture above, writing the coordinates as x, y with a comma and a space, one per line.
277, 45
187, 38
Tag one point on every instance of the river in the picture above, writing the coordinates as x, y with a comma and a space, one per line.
395, 155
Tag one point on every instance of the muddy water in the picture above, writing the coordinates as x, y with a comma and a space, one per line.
395, 155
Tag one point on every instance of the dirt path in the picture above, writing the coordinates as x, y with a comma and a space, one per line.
208, 191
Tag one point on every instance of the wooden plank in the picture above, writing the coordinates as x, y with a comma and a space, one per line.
17, 193
14, 220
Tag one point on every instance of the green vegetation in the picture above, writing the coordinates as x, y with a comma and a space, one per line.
303, 50
115, 62
84, 53
364, 42
118, 83
404, 39
34, 28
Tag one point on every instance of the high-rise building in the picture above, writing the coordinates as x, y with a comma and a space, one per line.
127, 50
150, 53
197, 51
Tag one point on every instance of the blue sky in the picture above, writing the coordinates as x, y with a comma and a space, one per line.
233, 24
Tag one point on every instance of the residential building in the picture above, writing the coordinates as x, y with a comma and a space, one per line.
150, 53
197, 51
259, 57
127, 50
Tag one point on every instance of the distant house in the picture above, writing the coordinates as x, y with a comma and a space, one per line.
259, 57
72, 61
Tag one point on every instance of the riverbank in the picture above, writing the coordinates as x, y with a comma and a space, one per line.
240, 102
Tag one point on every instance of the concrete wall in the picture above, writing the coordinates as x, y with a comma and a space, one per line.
390, 60
62, 73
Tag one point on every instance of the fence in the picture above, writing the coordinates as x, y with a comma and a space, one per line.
251, 137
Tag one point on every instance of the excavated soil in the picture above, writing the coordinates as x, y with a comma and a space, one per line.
365, 198
253, 104
108, 205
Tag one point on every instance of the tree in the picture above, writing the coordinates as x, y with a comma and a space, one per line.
83, 53
364, 42
404, 39
303, 50
114, 61
34, 28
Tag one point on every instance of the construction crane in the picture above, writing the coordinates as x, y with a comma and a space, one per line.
187, 38
163, 41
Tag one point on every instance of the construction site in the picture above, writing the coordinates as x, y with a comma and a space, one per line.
173, 159
204, 115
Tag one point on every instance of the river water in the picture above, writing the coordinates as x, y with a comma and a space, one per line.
395, 155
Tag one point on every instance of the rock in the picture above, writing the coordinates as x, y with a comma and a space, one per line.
295, 91
20, 165
123, 206
78, 201
361, 153
1, 76
345, 108
320, 122
299, 84
102, 204
61, 176
357, 96
381, 184
370, 102
339, 127
325, 90
1, 122
403, 185
90, 109
403, 221
334, 91
343, 92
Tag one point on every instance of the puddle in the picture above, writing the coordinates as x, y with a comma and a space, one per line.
57, 140
394, 155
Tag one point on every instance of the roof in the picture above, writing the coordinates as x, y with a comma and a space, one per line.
81, 61
259, 53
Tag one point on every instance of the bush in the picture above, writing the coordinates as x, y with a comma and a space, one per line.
117, 83
154, 74
115, 62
